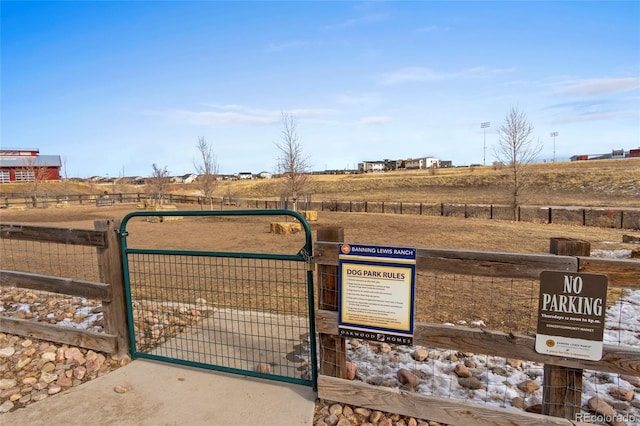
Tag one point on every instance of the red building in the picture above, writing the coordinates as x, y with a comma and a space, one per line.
634, 153
27, 165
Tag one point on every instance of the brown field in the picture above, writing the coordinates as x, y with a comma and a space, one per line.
586, 184
595, 183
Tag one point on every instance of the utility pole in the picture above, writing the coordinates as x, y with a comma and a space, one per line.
484, 126
553, 135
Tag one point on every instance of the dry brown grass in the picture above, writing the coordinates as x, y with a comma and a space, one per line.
591, 183
610, 183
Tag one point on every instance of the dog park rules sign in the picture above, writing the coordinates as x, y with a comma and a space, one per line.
376, 287
571, 314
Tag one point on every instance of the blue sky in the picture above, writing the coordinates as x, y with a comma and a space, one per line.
114, 87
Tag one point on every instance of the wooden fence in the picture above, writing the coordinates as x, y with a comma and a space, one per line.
332, 363
605, 217
110, 289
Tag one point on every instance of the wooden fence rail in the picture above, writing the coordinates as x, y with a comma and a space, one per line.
605, 217
110, 291
332, 384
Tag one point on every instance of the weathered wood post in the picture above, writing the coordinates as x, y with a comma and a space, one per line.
332, 351
562, 386
111, 272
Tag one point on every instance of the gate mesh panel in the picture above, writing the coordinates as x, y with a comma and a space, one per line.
225, 313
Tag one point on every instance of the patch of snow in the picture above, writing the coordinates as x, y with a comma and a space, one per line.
622, 327
611, 254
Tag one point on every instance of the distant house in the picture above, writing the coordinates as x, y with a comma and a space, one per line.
265, 175
371, 166
245, 175
189, 178
27, 165
420, 163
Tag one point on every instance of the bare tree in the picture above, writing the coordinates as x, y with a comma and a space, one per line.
207, 168
34, 174
293, 164
517, 149
159, 183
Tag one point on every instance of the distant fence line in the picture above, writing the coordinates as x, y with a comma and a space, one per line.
604, 217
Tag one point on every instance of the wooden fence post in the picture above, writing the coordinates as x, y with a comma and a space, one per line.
562, 386
332, 351
111, 272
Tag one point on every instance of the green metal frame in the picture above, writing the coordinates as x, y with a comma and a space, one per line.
303, 255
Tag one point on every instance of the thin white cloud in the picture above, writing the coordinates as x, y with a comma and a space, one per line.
600, 86
421, 74
232, 114
354, 22
279, 47
596, 116
375, 120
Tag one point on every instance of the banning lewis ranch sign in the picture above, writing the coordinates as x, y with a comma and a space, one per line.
571, 314
376, 286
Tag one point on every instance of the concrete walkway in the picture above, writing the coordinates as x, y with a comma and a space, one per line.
167, 394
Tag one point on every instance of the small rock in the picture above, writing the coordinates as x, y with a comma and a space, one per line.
6, 407
65, 382
517, 402
120, 389
462, 371
364, 412
351, 371
375, 416
331, 420
622, 394
528, 386
406, 377
48, 356
48, 377
29, 381
515, 363
600, 406
535, 408
335, 409
343, 421
471, 383
263, 368
633, 380
420, 354
499, 371
385, 348
7, 383
7, 352
54, 389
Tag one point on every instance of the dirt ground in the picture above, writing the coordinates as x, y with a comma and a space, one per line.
437, 301
249, 233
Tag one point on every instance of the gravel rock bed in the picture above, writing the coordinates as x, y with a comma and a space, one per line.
32, 370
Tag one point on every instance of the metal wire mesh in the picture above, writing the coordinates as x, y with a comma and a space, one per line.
60, 260
223, 312
494, 304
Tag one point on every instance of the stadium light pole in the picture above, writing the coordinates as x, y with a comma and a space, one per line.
553, 135
484, 126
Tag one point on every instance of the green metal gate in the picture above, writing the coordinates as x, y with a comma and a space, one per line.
229, 310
